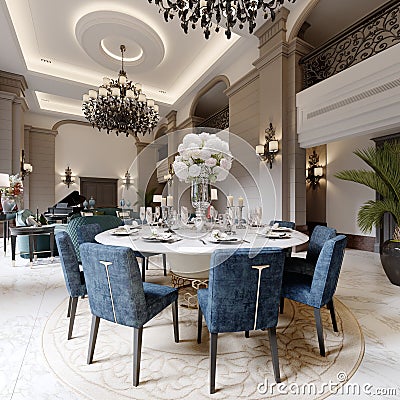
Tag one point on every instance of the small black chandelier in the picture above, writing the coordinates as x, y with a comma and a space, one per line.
224, 13
120, 106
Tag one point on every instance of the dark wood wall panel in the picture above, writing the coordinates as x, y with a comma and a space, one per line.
103, 190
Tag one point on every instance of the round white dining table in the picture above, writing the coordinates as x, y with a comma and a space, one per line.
190, 256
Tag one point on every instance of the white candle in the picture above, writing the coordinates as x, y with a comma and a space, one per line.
92, 94
115, 91
106, 81
170, 201
163, 202
130, 94
229, 201
102, 91
85, 97
240, 201
138, 86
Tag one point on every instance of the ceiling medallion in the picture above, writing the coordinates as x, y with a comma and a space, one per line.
120, 106
209, 12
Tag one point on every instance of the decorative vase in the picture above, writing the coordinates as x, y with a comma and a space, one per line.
85, 204
390, 259
8, 203
92, 202
201, 199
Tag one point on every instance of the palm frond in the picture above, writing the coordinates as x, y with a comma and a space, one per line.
385, 161
366, 178
372, 212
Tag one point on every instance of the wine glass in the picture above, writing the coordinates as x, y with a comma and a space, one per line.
149, 215
157, 214
142, 214
258, 213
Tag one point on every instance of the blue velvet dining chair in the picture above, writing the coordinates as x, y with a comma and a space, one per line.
242, 295
321, 234
318, 290
283, 224
117, 294
87, 234
73, 276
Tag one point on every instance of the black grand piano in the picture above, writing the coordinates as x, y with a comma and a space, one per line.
69, 205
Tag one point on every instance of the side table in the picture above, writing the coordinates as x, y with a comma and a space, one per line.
32, 232
5, 218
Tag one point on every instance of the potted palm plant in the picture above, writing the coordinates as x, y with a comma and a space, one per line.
384, 178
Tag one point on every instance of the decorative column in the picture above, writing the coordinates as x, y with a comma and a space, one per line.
12, 108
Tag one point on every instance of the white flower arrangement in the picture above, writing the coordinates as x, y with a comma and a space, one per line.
203, 155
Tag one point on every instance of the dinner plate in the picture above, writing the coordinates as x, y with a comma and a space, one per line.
281, 229
225, 241
120, 233
156, 239
275, 235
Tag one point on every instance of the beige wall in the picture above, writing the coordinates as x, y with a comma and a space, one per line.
91, 153
343, 199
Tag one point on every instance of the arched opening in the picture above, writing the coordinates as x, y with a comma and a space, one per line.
210, 107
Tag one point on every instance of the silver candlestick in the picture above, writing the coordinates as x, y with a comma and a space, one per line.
240, 224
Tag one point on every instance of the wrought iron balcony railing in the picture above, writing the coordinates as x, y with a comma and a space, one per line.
372, 34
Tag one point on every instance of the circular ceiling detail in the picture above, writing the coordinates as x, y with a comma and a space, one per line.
101, 33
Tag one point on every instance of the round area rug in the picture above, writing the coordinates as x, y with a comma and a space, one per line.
172, 370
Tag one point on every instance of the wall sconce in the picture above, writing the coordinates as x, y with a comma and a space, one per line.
170, 174
315, 171
26, 168
268, 151
68, 178
127, 179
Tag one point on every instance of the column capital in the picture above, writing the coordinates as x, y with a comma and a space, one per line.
13, 83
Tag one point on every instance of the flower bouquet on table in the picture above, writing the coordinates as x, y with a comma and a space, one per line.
12, 196
202, 156
203, 159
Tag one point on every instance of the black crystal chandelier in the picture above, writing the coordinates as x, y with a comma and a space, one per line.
218, 13
120, 106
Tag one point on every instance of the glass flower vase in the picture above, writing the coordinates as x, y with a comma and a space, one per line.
201, 199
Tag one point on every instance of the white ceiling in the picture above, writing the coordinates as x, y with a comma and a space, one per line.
168, 62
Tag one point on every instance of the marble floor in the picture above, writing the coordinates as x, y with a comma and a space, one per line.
28, 297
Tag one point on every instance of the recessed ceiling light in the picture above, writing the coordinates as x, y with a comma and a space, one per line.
162, 91
45, 60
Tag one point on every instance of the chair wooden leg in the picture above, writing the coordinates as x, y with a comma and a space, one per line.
147, 263
72, 316
93, 336
199, 325
213, 360
175, 320
69, 307
282, 305
143, 269
246, 334
274, 352
137, 352
320, 331
164, 260
331, 308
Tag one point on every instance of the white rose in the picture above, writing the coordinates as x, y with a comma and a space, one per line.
225, 164
211, 162
194, 170
215, 145
221, 173
181, 170
205, 154
181, 148
204, 136
192, 138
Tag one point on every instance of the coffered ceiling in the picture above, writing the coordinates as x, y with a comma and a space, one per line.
64, 48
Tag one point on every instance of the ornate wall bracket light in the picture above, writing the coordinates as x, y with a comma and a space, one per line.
169, 177
218, 13
68, 179
127, 179
268, 151
26, 168
120, 106
314, 172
